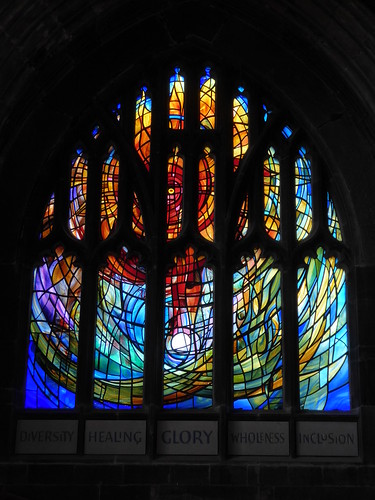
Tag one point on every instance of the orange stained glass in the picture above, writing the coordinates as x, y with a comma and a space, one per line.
78, 193
207, 101
137, 222
142, 136
240, 127
206, 195
176, 100
174, 194
271, 179
109, 201
47, 224
243, 220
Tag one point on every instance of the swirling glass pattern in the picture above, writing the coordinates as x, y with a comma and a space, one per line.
271, 180
176, 100
240, 127
322, 331
206, 195
303, 195
174, 194
188, 333
257, 335
54, 324
109, 200
78, 196
207, 99
142, 136
119, 340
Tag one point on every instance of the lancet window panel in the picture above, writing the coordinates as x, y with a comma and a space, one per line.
163, 236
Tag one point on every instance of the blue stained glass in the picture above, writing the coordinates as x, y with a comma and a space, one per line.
287, 132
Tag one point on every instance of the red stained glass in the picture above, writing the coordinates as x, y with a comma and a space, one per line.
174, 194
206, 195
176, 100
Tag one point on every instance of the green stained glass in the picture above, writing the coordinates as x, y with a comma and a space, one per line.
257, 335
119, 341
271, 179
303, 195
323, 339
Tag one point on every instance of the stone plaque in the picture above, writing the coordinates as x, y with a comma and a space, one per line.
258, 438
46, 436
327, 439
125, 437
187, 437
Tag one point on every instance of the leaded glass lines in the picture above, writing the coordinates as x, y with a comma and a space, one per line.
188, 333
323, 341
53, 343
119, 341
257, 335
240, 127
201, 229
142, 138
271, 173
176, 100
78, 195
207, 101
206, 195
303, 195
109, 201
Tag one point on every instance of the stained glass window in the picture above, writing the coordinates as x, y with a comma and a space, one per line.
188, 333
333, 220
207, 101
303, 195
257, 334
143, 126
170, 264
176, 100
109, 201
240, 127
243, 220
137, 219
54, 326
206, 195
119, 341
47, 223
323, 338
174, 194
78, 190
272, 195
